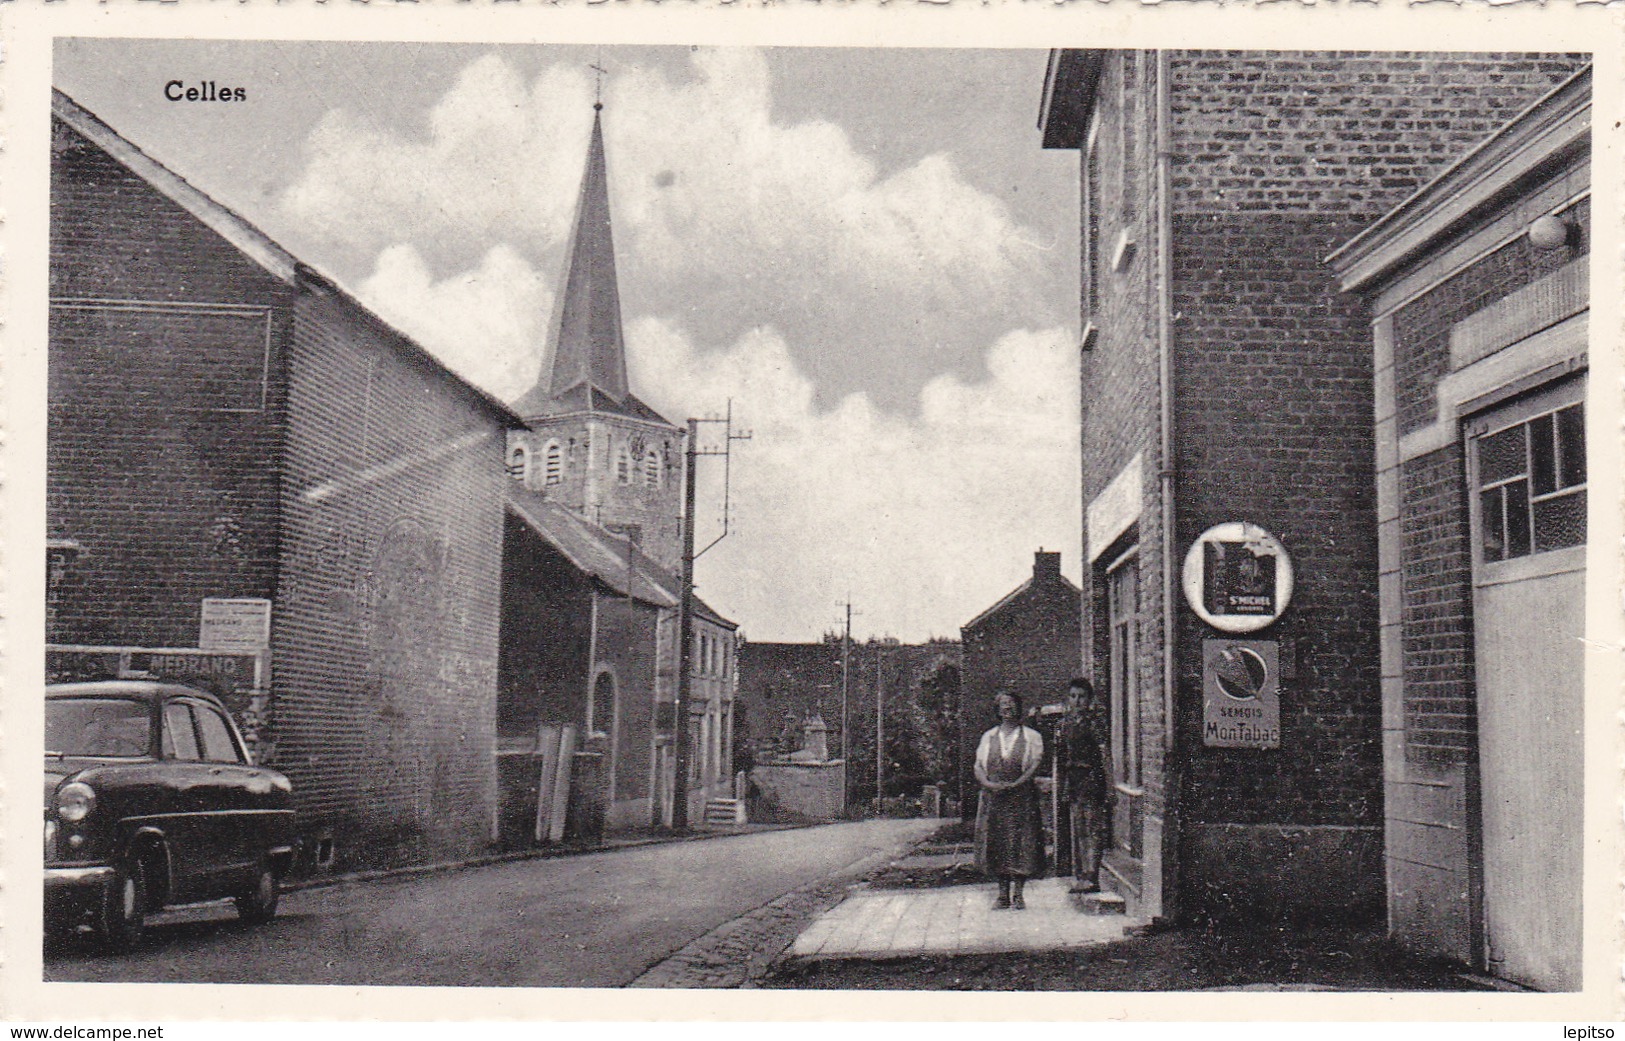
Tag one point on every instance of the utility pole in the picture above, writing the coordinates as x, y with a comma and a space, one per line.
880, 733
846, 691
685, 610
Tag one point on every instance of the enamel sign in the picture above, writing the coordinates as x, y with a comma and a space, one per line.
1241, 703
1238, 577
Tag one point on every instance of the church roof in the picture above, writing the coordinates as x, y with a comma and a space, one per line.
593, 550
585, 398
588, 368
600, 554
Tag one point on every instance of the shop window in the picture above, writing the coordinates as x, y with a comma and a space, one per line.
1531, 485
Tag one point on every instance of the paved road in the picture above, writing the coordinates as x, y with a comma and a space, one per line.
597, 920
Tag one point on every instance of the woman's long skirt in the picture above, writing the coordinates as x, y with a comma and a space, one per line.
1010, 833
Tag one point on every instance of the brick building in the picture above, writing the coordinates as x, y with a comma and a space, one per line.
1227, 381
226, 425
1479, 297
598, 477
1029, 643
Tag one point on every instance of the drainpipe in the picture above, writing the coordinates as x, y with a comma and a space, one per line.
1165, 375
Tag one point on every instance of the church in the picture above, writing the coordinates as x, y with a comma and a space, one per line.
597, 479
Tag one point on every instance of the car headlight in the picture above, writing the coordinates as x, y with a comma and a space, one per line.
75, 802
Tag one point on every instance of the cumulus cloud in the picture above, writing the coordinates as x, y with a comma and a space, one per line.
767, 262
500, 160
483, 323
726, 217
925, 520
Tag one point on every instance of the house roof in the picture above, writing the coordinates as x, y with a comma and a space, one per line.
588, 370
1011, 597
251, 241
601, 555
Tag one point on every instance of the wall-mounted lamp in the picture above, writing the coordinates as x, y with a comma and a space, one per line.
1549, 232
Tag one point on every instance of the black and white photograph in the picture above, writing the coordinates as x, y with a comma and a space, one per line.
1089, 517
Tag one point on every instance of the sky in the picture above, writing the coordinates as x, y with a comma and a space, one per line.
866, 251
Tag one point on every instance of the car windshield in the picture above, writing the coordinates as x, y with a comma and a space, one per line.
97, 727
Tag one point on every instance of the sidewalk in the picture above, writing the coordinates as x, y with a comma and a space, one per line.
917, 925
954, 920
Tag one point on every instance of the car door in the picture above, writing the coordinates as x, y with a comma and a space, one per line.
234, 847
183, 815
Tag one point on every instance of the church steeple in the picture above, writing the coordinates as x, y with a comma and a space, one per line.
589, 354
590, 445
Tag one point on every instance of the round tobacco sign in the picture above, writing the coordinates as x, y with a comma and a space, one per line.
1238, 577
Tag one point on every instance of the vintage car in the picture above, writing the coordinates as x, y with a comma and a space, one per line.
151, 799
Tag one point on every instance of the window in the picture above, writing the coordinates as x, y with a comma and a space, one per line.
1122, 620
218, 747
652, 468
518, 462
180, 740
623, 466
1120, 589
553, 463
1531, 485
97, 727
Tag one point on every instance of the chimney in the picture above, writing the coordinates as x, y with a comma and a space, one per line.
1046, 565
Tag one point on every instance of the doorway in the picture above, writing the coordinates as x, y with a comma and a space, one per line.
1526, 476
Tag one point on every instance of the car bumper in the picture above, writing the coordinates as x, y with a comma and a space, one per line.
71, 891
92, 876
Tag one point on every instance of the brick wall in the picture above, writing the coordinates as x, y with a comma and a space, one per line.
626, 645
386, 641
546, 636
165, 401
1273, 426
1277, 159
1422, 326
1345, 133
1436, 621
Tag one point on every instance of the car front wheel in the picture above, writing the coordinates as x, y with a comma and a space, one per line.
258, 904
124, 906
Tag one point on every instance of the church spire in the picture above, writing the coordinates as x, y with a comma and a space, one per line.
588, 349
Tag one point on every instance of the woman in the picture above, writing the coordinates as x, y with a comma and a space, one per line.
1009, 830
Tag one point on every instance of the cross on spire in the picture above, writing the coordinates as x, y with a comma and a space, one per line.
599, 73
